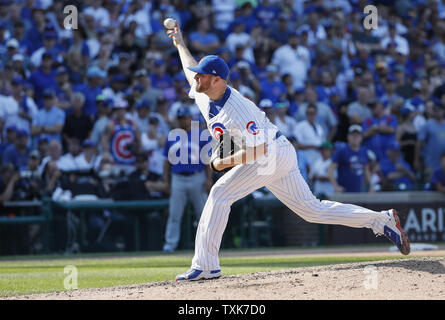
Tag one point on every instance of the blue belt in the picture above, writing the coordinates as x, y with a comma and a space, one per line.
187, 173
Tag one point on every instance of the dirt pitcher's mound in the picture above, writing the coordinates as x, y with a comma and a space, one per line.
416, 278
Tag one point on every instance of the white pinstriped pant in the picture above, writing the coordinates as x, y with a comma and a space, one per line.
286, 183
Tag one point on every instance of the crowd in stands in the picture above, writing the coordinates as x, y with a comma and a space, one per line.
87, 106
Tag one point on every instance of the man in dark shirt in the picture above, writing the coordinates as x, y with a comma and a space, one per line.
77, 124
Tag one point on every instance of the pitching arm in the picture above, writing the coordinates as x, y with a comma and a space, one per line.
186, 57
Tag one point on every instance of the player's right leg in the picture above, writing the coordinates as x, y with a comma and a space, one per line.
293, 191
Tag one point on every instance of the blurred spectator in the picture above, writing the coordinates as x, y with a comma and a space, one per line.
272, 88
103, 106
144, 183
49, 46
239, 39
268, 107
431, 142
43, 147
325, 116
77, 124
143, 84
44, 77
10, 137
224, 13
18, 153
8, 179
292, 59
379, 130
121, 138
187, 177
91, 89
18, 109
358, 110
88, 159
438, 176
406, 134
351, 162
319, 175
285, 123
141, 117
310, 135
69, 161
397, 173
202, 40
390, 96
50, 120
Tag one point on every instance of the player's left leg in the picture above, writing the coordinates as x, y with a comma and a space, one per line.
293, 191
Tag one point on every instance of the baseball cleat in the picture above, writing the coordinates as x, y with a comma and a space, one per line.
193, 275
394, 232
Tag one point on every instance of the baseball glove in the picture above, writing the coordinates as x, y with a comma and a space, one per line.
224, 148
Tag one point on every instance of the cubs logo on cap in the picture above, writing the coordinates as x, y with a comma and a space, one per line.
252, 128
217, 130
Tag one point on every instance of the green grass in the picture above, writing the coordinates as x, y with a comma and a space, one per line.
46, 273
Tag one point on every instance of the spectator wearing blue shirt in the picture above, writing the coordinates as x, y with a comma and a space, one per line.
431, 141
189, 181
352, 164
11, 136
42, 78
50, 120
160, 79
266, 13
379, 130
397, 173
202, 40
438, 176
18, 153
91, 89
272, 88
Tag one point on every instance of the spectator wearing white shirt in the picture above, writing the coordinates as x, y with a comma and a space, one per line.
69, 161
88, 159
314, 29
100, 14
287, 59
139, 12
224, 12
310, 135
240, 38
325, 116
286, 124
321, 185
18, 109
401, 43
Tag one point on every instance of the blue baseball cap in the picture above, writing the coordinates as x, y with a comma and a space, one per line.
213, 65
144, 103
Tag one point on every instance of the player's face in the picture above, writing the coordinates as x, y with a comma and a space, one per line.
203, 82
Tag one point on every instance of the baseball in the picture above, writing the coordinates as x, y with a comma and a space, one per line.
169, 23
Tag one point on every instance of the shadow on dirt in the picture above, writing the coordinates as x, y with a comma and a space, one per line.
419, 265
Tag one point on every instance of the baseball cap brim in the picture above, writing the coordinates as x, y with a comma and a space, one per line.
198, 69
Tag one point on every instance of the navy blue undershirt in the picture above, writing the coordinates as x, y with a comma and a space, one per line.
216, 106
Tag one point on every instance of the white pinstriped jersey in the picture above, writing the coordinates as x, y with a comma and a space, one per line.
237, 115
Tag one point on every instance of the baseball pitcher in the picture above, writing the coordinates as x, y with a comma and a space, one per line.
265, 158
